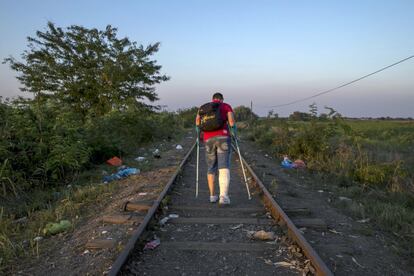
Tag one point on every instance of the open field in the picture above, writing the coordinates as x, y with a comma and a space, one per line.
369, 161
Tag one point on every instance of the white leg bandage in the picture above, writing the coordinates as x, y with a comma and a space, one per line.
224, 181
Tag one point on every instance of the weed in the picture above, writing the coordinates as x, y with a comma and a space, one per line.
368, 161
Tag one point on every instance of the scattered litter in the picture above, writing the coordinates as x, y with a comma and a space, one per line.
236, 227
21, 220
355, 261
122, 173
86, 252
104, 232
299, 164
302, 229
114, 161
140, 158
172, 216
142, 194
353, 236
343, 198
156, 153
283, 264
163, 221
320, 191
364, 220
339, 256
261, 235
55, 228
152, 244
37, 239
272, 242
334, 231
269, 262
289, 164
179, 147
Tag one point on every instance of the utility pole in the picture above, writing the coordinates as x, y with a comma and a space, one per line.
251, 111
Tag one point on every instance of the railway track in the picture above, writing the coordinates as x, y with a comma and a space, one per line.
201, 238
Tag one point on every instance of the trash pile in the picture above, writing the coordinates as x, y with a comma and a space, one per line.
123, 171
289, 164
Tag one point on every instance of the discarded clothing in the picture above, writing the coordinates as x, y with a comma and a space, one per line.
120, 174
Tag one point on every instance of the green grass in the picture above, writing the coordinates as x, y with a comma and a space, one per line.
71, 202
17, 239
369, 161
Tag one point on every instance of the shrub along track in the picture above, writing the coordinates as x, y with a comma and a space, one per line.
209, 240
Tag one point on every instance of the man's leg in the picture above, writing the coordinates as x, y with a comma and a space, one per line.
223, 163
210, 180
224, 182
211, 157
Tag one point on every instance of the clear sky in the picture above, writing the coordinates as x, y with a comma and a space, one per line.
270, 52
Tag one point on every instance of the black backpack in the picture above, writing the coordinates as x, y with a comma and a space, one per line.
210, 117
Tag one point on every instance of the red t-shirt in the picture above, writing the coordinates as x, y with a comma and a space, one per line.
224, 131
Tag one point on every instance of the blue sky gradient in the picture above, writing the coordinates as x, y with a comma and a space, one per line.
271, 52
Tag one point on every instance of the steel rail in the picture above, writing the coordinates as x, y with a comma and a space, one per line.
276, 211
279, 215
123, 257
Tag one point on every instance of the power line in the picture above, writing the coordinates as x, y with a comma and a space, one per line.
342, 85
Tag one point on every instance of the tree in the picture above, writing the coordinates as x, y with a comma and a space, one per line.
92, 71
243, 113
271, 114
313, 110
300, 116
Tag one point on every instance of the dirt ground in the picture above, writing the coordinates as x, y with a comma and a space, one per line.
66, 254
348, 247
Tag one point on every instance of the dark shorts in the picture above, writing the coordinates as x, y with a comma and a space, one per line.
218, 151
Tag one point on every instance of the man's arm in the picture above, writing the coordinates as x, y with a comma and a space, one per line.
197, 119
230, 119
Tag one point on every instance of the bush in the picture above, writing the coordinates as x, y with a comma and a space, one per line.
47, 146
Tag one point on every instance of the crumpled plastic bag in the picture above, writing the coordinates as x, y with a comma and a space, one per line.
114, 161
261, 235
152, 244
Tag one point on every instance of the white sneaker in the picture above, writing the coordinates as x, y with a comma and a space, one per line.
213, 199
224, 200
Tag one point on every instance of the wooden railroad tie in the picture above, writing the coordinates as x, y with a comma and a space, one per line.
218, 246
121, 219
311, 223
220, 220
142, 206
100, 244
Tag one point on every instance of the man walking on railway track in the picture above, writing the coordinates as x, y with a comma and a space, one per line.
216, 120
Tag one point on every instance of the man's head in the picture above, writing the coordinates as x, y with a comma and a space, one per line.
218, 96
